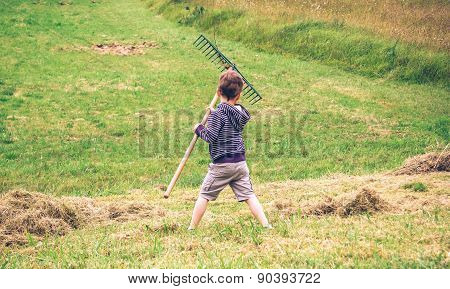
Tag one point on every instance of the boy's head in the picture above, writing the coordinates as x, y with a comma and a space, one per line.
230, 84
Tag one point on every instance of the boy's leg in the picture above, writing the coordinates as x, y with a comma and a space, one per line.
197, 214
215, 181
243, 189
257, 211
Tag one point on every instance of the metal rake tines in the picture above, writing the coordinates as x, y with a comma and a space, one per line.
223, 63
212, 53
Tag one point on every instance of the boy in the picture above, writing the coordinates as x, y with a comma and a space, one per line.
226, 147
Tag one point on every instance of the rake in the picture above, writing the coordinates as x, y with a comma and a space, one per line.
223, 63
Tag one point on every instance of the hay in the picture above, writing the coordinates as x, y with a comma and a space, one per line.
24, 214
165, 228
366, 201
285, 207
421, 164
128, 211
326, 208
123, 49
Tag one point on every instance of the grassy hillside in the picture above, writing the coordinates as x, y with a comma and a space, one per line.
292, 28
70, 116
98, 100
422, 22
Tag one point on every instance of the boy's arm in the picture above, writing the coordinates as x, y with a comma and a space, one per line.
210, 133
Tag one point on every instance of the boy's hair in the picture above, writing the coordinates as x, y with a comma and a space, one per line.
230, 84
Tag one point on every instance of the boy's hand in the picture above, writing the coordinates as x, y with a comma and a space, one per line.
195, 127
210, 108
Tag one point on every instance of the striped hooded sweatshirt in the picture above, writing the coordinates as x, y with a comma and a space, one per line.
224, 133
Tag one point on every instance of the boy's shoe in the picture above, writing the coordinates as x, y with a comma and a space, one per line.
190, 229
268, 226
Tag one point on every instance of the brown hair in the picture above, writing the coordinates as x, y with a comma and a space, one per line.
230, 84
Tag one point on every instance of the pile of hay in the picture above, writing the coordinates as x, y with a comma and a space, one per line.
23, 212
431, 162
366, 201
328, 207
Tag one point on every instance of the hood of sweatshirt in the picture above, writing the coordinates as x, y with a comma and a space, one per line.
238, 118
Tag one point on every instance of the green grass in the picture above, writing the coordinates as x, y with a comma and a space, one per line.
67, 126
70, 125
416, 187
332, 43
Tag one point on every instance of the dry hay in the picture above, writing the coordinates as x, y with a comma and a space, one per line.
366, 201
40, 215
164, 228
129, 211
328, 207
122, 49
431, 162
413, 203
23, 212
285, 207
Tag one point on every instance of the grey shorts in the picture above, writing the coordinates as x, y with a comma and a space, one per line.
220, 175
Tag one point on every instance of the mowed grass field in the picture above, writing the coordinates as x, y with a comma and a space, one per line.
74, 122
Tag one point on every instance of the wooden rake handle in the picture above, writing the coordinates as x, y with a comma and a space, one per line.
188, 151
